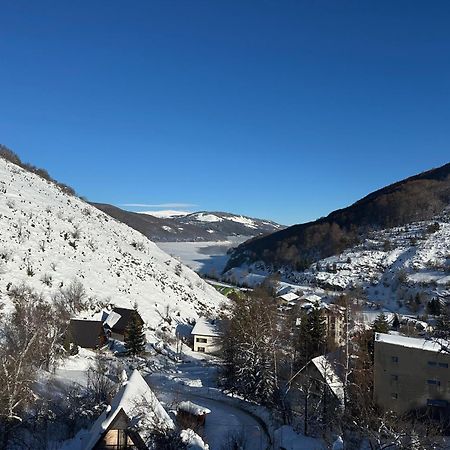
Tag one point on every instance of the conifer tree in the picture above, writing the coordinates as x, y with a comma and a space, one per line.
311, 336
381, 324
443, 324
134, 335
396, 322
249, 343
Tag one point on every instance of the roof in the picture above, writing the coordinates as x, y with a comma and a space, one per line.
112, 319
192, 440
204, 328
312, 298
326, 369
192, 408
289, 297
138, 402
86, 333
409, 342
125, 315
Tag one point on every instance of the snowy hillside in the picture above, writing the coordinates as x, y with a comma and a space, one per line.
202, 226
48, 239
401, 268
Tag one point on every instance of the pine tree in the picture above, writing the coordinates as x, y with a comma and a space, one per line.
381, 324
249, 343
134, 335
434, 307
311, 336
443, 324
396, 323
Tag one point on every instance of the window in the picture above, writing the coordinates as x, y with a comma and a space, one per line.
432, 363
394, 377
394, 395
202, 340
434, 382
201, 349
394, 359
443, 365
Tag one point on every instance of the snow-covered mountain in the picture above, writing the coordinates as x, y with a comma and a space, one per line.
49, 238
416, 198
204, 226
400, 268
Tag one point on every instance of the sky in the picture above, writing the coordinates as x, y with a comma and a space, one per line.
284, 110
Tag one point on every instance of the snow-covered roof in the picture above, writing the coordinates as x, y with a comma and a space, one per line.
193, 408
138, 402
193, 440
289, 297
329, 375
112, 319
312, 298
409, 342
204, 328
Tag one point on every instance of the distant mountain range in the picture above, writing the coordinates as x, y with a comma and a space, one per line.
417, 198
189, 227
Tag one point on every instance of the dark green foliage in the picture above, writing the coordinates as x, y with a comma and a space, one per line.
135, 336
443, 324
249, 344
310, 339
396, 323
381, 324
434, 307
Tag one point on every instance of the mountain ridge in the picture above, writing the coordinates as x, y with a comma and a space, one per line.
418, 197
196, 226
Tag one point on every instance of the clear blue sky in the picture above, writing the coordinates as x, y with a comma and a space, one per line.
277, 109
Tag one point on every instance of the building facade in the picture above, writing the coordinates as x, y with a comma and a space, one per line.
206, 336
411, 373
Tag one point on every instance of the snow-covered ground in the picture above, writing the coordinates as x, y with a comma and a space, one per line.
165, 214
392, 265
49, 238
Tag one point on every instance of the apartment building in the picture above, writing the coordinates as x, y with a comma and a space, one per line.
411, 373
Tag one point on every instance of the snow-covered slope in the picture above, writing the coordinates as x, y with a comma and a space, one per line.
48, 239
202, 226
400, 268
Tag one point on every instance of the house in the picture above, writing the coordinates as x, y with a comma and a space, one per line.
205, 336
411, 373
288, 299
117, 322
190, 415
323, 373
127, 422
86, 333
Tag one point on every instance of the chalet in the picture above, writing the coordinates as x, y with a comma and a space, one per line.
86, 333
411, 373
205, 336
323, 374
117, 322
126, 423
190, 415
287, 299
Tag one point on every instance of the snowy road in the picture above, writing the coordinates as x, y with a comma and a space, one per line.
225, 419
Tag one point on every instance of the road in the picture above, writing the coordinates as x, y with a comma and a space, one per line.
227, 417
